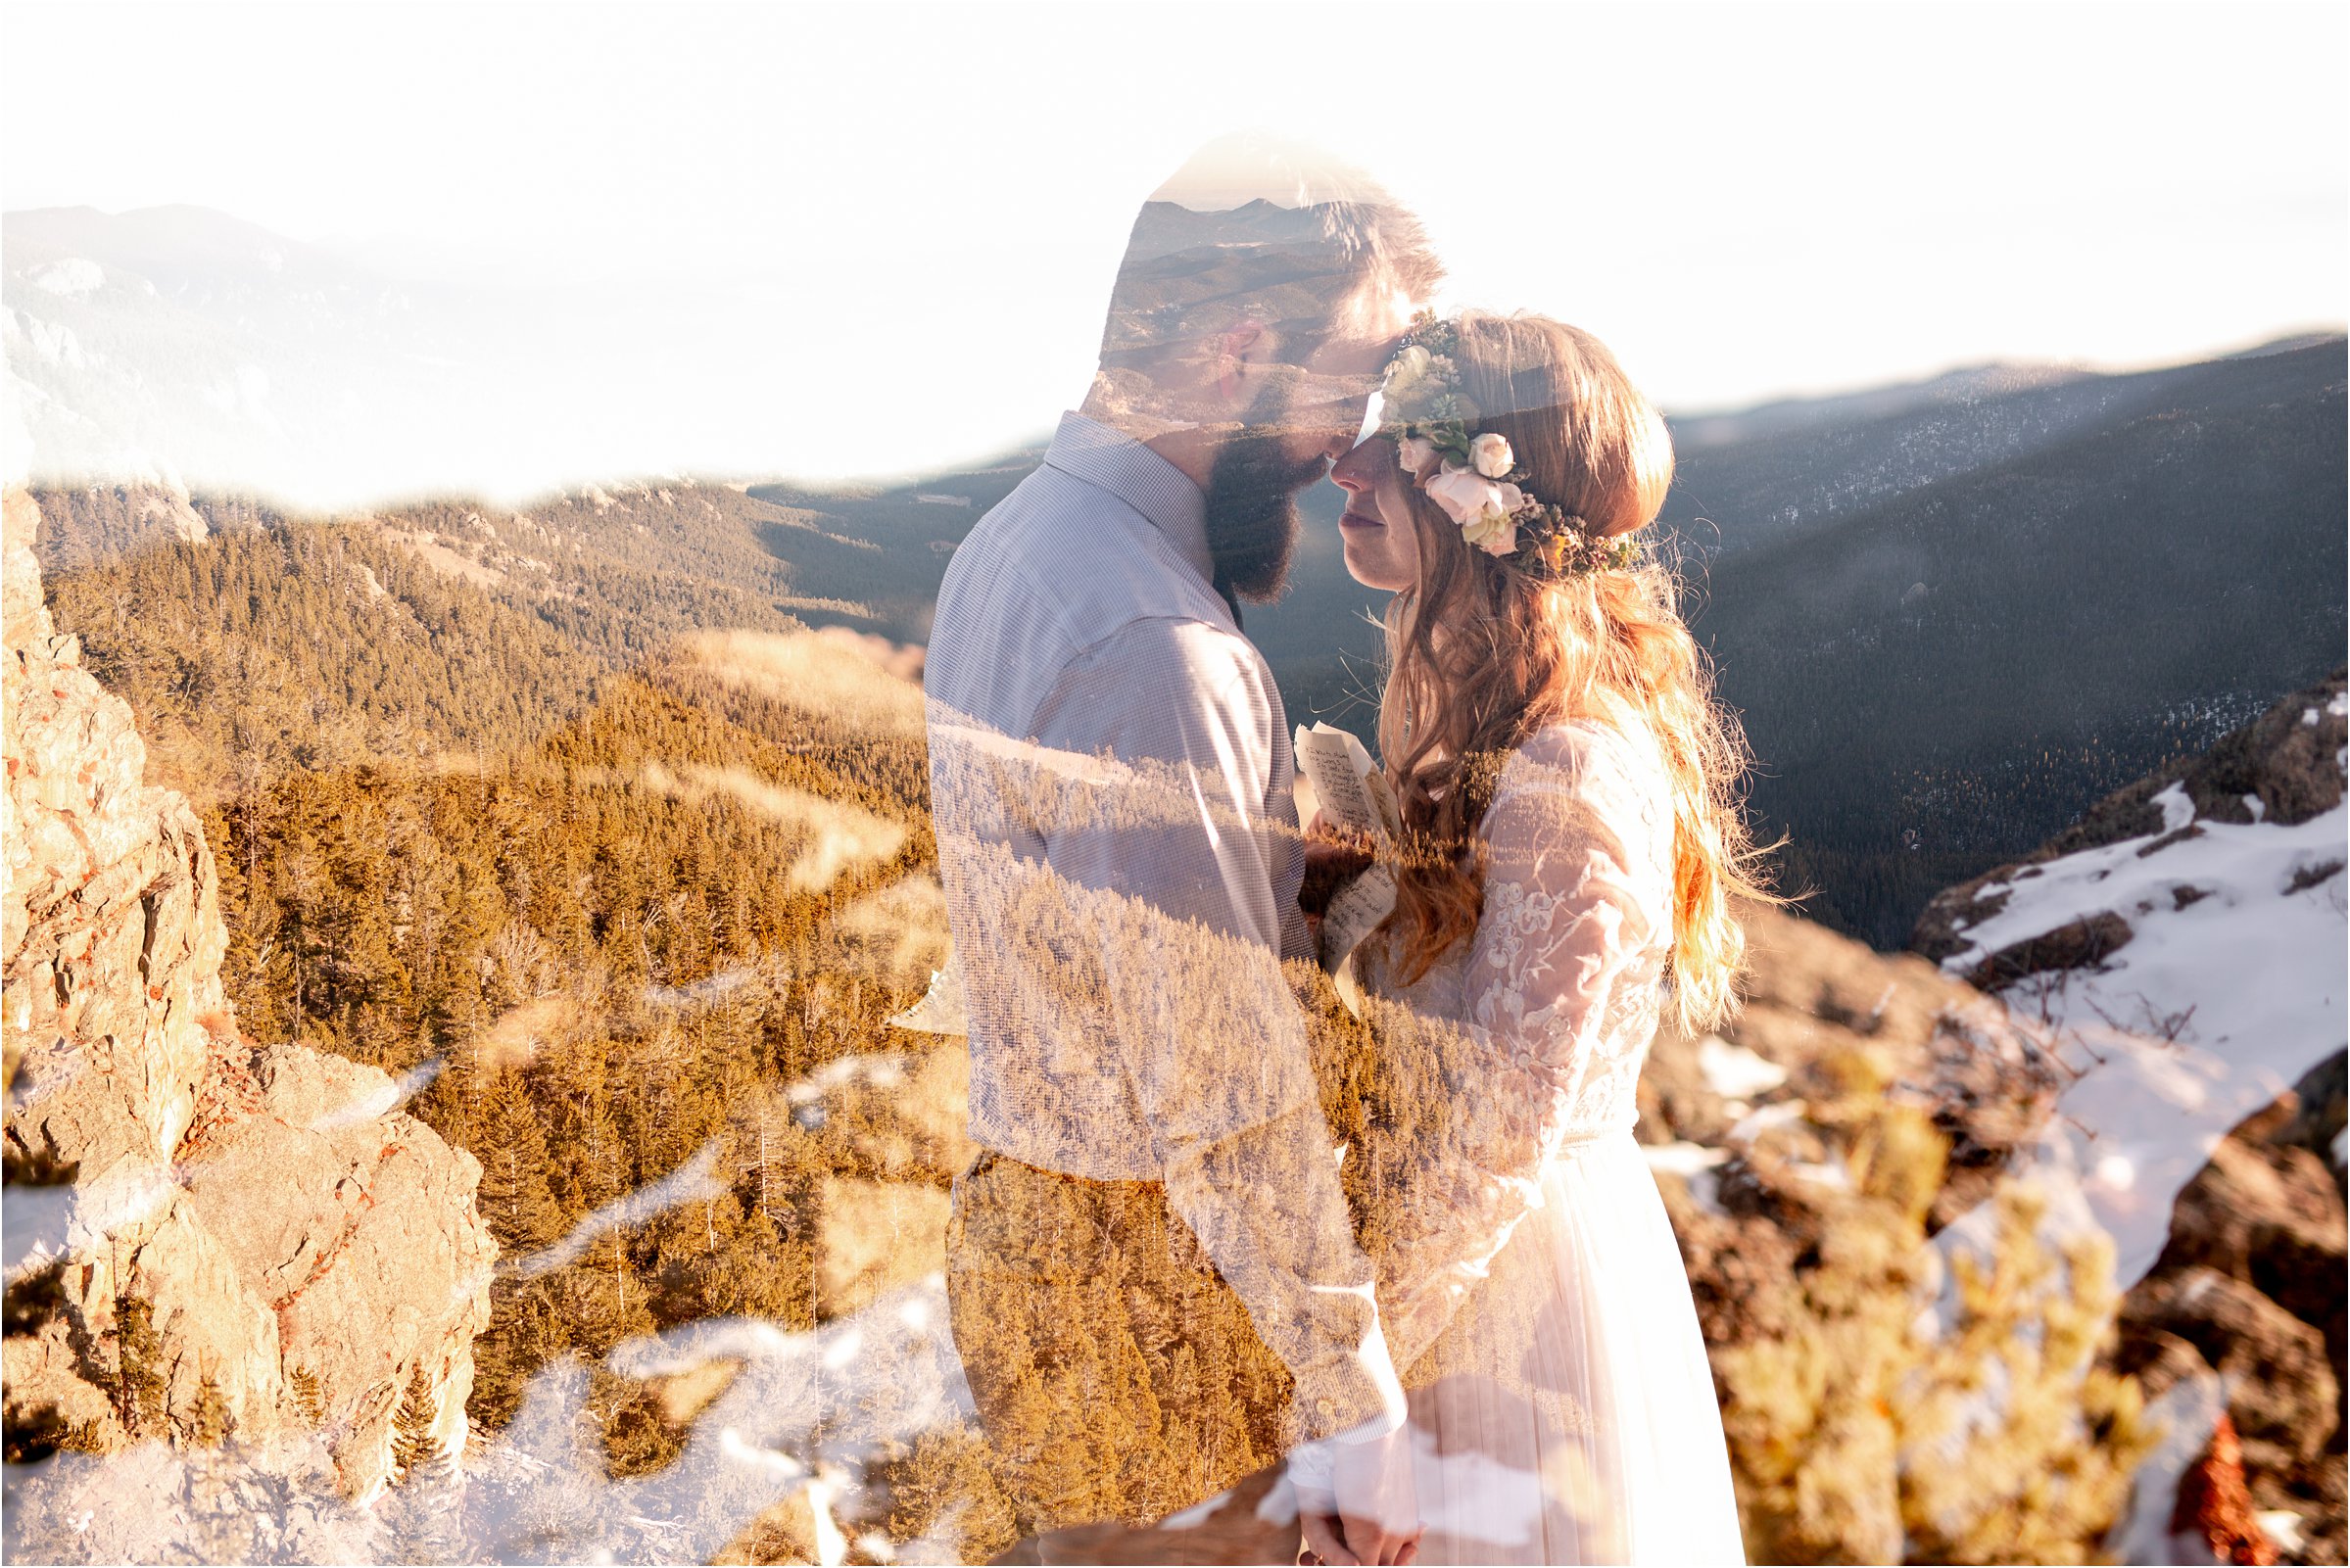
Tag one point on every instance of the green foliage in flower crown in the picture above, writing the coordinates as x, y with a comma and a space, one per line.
1423, 390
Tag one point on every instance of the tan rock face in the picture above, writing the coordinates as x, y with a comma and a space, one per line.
253, 1233
2252, 1282
112, 927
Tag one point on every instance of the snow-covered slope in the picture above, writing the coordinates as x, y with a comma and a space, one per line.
2184, 949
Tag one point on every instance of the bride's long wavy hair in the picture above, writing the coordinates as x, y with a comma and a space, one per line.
1481, 655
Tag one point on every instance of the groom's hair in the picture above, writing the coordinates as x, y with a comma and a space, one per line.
1251, 229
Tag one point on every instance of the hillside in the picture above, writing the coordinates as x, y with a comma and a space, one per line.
256, 650
634, 947
617, 569
1935, 683
1768, 474
1948, 617
903, 540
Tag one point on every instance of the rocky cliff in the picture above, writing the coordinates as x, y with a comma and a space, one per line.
2181, 945
207, 1236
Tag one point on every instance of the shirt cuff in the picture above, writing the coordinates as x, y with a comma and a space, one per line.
1355, 1400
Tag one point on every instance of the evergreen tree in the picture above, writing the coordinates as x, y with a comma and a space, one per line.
140, 1389
413, 1443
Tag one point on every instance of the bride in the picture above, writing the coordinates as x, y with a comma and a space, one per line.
1571, 843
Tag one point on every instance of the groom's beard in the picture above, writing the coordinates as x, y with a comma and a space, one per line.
1253, 520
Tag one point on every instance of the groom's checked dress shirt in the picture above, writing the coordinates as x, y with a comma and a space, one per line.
1111, 784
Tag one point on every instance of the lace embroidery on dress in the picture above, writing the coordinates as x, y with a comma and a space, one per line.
1530, 1037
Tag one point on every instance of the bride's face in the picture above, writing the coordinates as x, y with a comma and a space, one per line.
1382, 549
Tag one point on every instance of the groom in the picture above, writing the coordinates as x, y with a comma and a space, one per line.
1154, 1285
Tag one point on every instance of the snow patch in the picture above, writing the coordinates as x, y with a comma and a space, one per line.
70, 279
2206, 1015
1696, 1165
1830, 1173
2178, 810
691, 1182
1755, 1124
2282, 1526
1734, 1071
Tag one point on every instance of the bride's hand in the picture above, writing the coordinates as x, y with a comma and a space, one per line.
1371, 1516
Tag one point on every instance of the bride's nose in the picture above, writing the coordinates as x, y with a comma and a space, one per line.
1351, 472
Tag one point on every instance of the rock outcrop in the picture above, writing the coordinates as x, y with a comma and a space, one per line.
2181, 945
254, 1240
2283, 768
2251, 1283
1904, 1326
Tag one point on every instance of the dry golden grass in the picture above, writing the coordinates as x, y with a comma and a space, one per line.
901, 931
876, 1236
834, 675
840, 837
428, 549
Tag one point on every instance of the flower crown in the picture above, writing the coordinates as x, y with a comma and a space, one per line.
1476, 478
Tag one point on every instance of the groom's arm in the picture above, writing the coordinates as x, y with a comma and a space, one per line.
1184, 867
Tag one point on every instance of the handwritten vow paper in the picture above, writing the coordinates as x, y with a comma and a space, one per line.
1354, 796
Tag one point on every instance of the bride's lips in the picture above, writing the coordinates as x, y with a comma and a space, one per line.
1352, 519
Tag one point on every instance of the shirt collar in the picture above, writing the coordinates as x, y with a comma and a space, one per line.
1112, 461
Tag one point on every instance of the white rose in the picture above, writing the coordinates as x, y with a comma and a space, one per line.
1495, 533
1462, 493
1492, 455
1483, 510
1415, 452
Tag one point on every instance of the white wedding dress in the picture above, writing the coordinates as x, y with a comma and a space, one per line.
1531, 1288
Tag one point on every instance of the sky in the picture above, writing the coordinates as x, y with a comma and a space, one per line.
878, 239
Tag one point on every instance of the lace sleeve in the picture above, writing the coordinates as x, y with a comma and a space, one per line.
1572, 916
